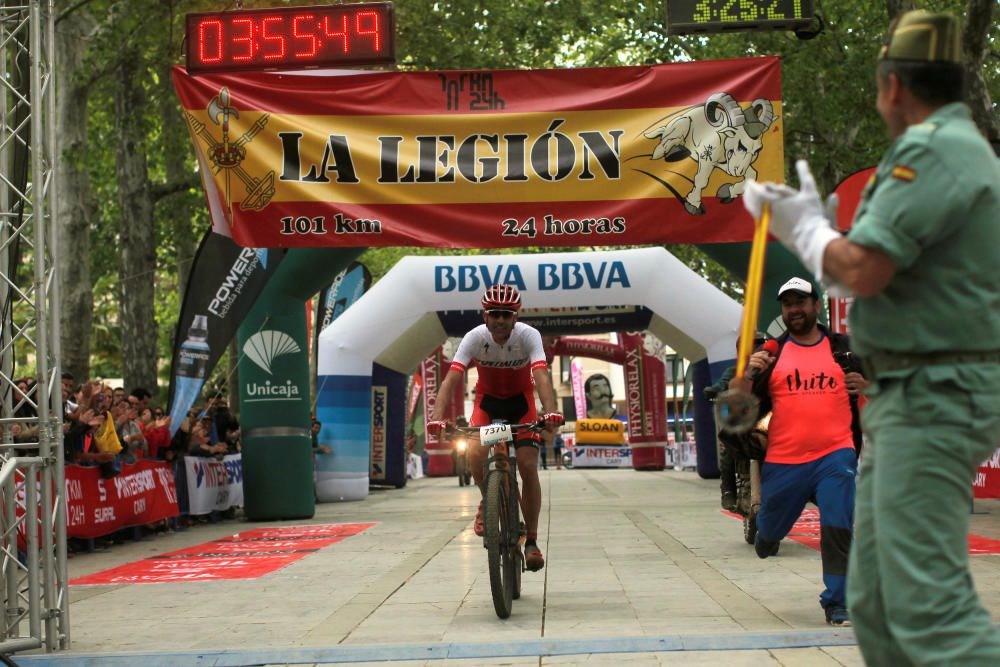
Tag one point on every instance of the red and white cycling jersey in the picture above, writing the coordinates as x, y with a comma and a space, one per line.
504, 370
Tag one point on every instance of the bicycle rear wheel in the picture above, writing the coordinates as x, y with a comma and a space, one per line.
498, 549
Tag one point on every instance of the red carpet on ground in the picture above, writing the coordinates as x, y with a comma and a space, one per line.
806, 531
246, 555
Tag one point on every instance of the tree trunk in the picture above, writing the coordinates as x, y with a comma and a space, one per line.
176, 159
137, 251
975, 47
75, 206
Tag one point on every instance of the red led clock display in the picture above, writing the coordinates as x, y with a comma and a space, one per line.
290, 37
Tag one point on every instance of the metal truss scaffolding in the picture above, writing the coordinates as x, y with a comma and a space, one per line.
33, 511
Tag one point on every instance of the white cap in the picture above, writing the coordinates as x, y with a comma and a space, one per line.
798, 285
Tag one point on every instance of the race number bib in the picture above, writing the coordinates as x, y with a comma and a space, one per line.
494, 433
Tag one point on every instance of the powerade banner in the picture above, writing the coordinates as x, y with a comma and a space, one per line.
349, 286
488, 159
224, 283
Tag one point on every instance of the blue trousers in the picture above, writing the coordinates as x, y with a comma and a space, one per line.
829, 480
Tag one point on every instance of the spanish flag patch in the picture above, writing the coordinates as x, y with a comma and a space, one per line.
903, 173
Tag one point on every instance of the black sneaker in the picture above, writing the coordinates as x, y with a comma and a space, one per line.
838, 617
729, 500
765, 548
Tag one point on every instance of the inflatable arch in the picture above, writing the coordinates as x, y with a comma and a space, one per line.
393, 327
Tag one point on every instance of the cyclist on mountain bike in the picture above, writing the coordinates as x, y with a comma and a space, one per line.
510, 360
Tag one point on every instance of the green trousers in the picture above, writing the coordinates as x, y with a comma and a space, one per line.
910, 591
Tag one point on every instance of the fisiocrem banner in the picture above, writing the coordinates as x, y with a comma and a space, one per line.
600, 156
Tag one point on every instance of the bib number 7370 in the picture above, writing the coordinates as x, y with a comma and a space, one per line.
494, 433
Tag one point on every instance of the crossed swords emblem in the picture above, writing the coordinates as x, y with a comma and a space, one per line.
228, 155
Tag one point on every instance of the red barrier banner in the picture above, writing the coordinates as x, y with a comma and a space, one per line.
246, 555
143, 492
487, 159
987, 481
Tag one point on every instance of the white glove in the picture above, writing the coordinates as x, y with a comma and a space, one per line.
797, 217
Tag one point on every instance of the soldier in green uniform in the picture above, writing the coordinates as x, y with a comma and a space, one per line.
921, 258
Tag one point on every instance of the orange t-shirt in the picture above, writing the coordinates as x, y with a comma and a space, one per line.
812, 411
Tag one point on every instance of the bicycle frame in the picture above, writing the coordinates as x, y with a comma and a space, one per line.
504, 533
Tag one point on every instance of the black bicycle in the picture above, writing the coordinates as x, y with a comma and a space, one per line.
504, 532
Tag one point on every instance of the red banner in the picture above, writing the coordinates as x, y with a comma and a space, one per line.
141, 493
416, 387
987, 481
645, 380
487, 159
246, 555
588, 347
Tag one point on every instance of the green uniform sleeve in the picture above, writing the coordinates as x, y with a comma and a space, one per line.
909, 209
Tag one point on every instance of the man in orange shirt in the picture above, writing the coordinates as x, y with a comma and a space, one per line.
813, 438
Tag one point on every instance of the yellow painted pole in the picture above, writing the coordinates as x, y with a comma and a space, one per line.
751, 297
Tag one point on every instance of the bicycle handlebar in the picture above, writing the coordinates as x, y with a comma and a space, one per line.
536, 427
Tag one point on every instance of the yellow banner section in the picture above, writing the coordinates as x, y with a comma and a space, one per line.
600, 432
533, 157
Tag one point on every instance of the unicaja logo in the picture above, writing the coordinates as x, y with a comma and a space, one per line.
264, 346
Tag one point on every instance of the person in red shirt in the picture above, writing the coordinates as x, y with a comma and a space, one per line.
511, 363
813, 438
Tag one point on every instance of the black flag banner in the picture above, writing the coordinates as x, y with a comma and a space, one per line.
225, 281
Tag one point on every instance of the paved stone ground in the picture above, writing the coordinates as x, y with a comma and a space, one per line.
643, 569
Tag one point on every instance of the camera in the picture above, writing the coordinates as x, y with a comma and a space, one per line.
848, 362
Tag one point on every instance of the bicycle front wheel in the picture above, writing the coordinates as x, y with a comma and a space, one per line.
498, 531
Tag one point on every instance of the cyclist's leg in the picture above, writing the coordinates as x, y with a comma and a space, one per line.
527, 466
480, 417
531, 488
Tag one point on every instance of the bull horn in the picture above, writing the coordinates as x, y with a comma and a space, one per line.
720, 108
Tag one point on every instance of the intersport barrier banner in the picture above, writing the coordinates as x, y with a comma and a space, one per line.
142, 493
214, 484
588, 156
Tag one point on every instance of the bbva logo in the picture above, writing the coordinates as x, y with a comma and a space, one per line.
264, 346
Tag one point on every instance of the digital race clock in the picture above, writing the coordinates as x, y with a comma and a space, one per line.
290, 37
689, 16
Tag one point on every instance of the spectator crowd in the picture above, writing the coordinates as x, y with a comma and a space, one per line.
106, 427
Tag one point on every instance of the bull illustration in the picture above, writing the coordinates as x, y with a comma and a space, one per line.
717, 135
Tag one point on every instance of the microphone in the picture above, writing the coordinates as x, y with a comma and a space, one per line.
771, 347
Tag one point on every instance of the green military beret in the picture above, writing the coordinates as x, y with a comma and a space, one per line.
924, 37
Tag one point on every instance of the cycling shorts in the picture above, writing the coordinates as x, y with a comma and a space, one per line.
517, 409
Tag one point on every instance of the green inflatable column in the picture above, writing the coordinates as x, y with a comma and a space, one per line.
275, 405
779, 266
